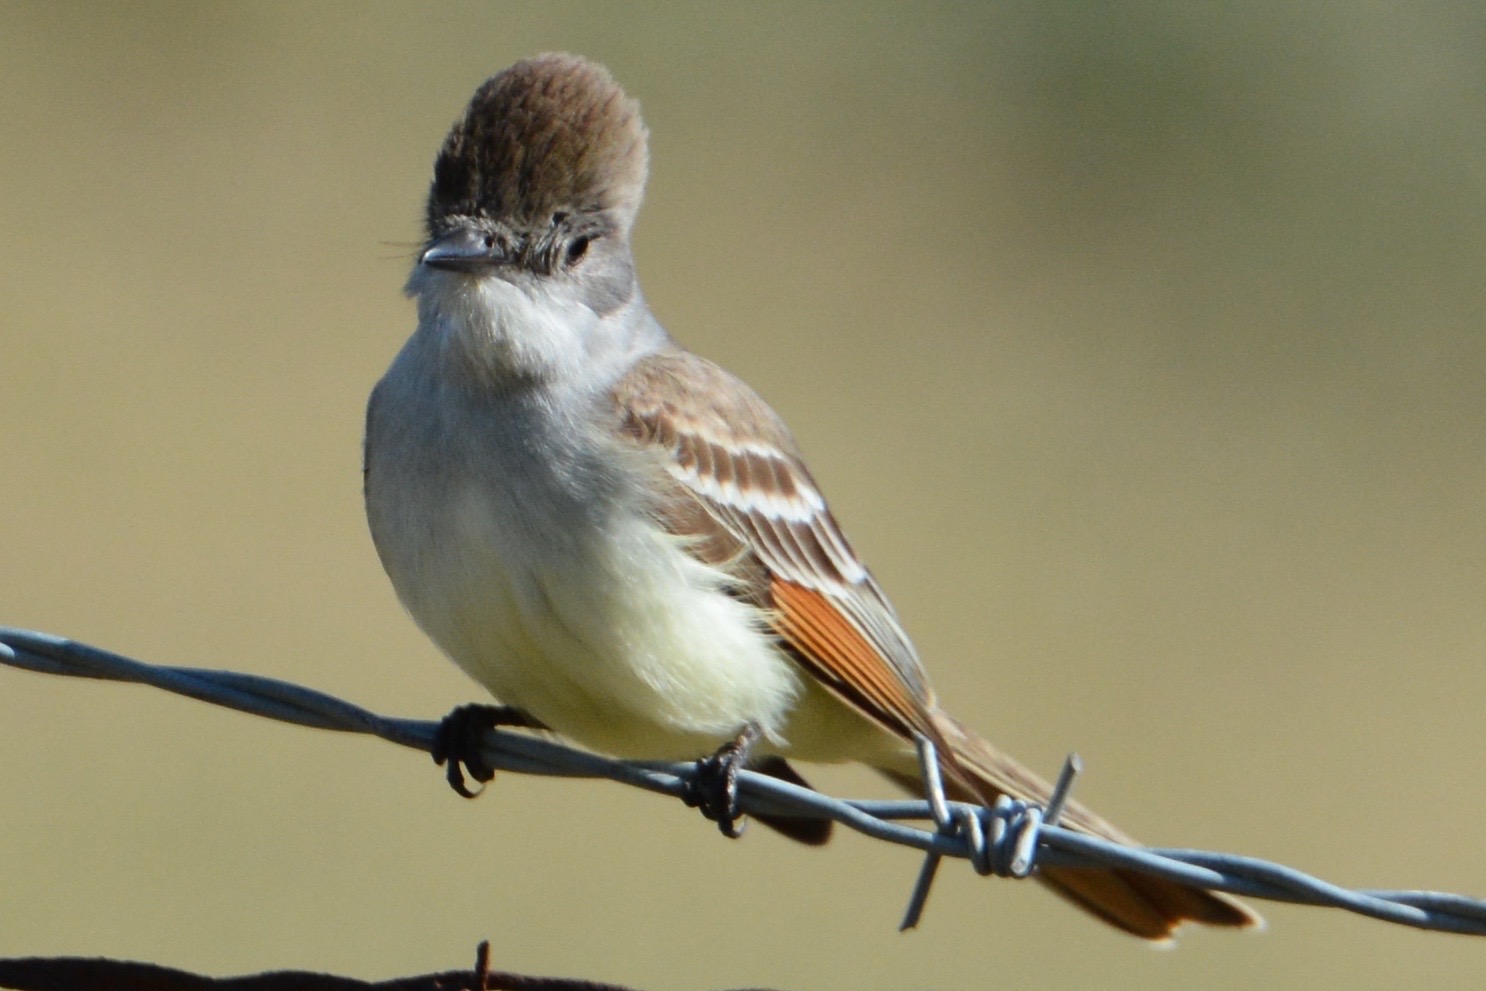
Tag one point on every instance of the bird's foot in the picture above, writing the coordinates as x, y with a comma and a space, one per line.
714, 787
460, 735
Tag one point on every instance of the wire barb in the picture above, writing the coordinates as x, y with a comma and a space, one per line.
1010, 839
928, 769
1072, 767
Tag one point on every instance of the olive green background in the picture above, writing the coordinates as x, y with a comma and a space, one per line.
1140, 350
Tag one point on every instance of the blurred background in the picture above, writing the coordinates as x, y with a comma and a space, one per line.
1138, 348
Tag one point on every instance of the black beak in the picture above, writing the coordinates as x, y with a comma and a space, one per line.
465, 250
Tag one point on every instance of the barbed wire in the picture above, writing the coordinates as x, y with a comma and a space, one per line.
1008, 839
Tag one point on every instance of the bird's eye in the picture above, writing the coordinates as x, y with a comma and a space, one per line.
577, 248
489, 242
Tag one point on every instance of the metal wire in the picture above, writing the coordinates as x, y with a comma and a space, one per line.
1009, 839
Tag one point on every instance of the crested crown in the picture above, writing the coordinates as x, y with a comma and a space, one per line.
550, 134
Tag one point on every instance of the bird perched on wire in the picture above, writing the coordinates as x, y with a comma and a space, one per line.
618, 538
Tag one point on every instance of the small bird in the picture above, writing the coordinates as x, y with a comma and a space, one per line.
616, 537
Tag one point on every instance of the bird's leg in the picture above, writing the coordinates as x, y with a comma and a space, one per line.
459, 737
714, 787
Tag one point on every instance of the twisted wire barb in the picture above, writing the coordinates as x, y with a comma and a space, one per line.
1005, 839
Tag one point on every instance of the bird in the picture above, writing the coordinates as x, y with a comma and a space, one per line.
619, 539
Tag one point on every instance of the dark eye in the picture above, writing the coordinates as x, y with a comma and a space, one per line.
577, 248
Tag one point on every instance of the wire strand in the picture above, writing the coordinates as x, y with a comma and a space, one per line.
1008, 839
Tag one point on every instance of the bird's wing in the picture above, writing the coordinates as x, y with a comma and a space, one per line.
745, 498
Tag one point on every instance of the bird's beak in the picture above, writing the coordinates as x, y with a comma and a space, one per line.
464, 250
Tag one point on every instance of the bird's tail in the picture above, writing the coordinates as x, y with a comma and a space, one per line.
1145, 906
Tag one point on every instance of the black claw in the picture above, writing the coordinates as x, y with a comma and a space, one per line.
458, 740
714, 787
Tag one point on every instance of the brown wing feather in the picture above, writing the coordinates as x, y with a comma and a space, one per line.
842, 659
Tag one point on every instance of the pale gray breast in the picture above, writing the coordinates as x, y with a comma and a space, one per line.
532, 467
